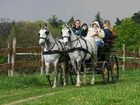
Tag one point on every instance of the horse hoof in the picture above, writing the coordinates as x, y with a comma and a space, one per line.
93, 84
54, 86
64, 85
77, 85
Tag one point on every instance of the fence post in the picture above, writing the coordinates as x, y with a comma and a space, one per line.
13, 57
42, 64
8, 60
134, 59
123, 67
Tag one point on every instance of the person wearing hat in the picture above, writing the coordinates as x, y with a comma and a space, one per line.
98, 33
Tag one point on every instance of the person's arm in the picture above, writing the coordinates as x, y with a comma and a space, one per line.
101, 34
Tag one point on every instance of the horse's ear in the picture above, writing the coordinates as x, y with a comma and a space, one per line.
64, 26
45, 25
40, 25
67, 25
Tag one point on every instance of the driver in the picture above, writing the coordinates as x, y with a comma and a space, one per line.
77, 27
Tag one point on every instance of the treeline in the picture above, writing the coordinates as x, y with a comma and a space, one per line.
128, 30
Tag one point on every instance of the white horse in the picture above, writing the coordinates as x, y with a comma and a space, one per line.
81, 49
51, 52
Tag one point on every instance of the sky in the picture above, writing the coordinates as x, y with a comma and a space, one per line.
85, 10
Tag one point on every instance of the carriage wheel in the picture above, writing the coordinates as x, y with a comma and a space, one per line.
105, 73
114, 68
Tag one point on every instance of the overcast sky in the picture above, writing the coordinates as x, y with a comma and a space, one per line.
85, 10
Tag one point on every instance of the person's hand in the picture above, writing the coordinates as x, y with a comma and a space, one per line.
95, 34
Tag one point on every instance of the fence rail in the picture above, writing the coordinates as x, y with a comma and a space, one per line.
12, 64
126, 59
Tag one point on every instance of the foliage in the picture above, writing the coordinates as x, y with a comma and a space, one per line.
27, 32
118, 21
55, 31
136, 17
55, 22
5, 28
99, 19
71, 21
3, 59
128, 32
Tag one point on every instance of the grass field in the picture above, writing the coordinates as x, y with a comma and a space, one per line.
33, 90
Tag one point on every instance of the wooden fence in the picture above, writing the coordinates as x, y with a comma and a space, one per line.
126, 59
12, 64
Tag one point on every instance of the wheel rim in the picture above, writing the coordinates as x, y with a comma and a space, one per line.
114, 69
105, 73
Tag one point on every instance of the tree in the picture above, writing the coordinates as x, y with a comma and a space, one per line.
71, 21
128, 32
5, 27
118, 21
136, 17
55, 22
28, 34
99, 19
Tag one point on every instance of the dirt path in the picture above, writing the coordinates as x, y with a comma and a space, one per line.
18, 93
20, 101
29, 99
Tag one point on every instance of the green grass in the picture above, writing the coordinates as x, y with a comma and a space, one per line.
34, 90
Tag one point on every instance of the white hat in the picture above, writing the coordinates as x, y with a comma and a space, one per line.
97, 23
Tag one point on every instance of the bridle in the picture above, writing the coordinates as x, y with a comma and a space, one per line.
47, 40
46, 33
69, 38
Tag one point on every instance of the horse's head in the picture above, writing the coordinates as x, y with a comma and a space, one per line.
44, 35
66, 32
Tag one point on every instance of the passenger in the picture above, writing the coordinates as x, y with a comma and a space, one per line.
84, 30
77, 27
98, 33
109, 34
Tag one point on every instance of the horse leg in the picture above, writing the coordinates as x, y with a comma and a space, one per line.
55, 74
84, 76
74, 69
47, 72
64, 73
78, 73
93, 62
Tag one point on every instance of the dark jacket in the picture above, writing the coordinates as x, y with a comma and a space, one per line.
84, 33
77, 31
108, 36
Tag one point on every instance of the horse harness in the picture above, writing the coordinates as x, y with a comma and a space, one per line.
75, 48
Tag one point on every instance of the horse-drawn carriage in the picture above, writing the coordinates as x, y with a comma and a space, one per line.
82, 54
107, 66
